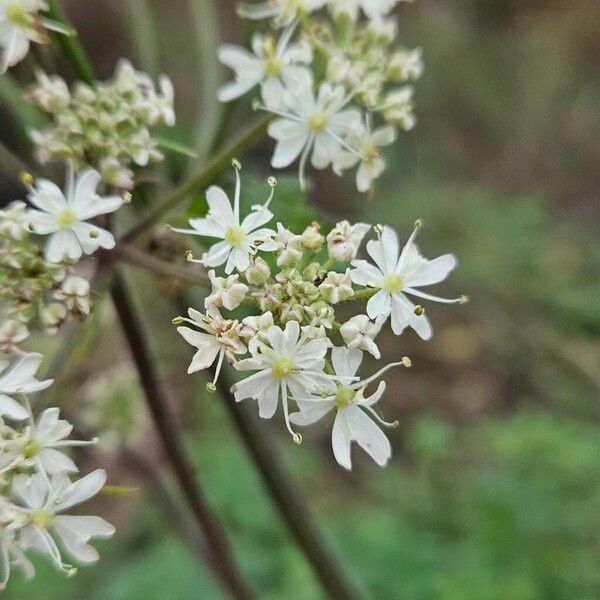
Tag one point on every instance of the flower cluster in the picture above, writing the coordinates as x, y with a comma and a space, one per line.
105, 125
327, 76
297, 350
38, 481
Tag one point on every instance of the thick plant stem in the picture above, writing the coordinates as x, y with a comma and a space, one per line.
289, 499
221, 557
196, 184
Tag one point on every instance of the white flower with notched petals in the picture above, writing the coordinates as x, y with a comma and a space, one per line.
222, 339
360, 332
312, 124
354, 412
41, 444
38, 507
397, 274
19, 25
272, 65
257, 326
372, 164
283, 11
344, 240
64, 216
242, 239
226, 292
19, 379
287, 364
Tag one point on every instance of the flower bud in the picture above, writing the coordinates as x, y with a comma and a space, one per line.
258, 272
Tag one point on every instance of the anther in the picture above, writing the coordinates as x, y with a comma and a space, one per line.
419, 310
211, 388
26, 178
297, 438
127, 197
464, 299
93, 234
178, 321
418, 223
189, 255
236, 164
256, 104
31, 227
272, 181
378, 228
406, 361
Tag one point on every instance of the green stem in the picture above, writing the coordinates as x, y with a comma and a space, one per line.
144, 34
70, 45
362, 295
195, 185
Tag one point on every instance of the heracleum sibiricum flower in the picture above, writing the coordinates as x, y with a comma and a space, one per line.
240, 238
20, 24
344, 240
38, 509
64, 216
220, 339
360, 332
227, 292
42, 444
354, 413
16, 379
286, 364
282, 11
396, 274
312, 126
273, 65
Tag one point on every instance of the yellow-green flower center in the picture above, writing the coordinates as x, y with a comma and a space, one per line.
318, 122
31, 449
344, 397
273, 67
393, 283
235, 236
66, 219
283, 368
42, 518
17, 14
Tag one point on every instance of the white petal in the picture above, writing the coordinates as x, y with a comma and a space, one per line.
365, 273
219, 206
47, 196
434, 271
310, 412
267, 401
340, 440
346, 362
368, 435
287, 150
39, 222
63, 244
11, 409
380, 304
82, 490
54, 462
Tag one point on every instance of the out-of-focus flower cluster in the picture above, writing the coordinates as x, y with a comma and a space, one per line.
330, 70
33, 291
294, 344
38, 480
106, 126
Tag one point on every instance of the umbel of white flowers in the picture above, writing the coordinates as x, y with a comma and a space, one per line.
297, 350
36, 487
327, 107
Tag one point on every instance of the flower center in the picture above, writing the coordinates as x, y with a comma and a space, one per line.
66, 219
235, 235
393, 283
31, 449
17, 15
273, 67
283, 368
344, 397
42, 518
318, 122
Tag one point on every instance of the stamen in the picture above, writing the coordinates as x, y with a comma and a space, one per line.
419, 310
26, 179
391, 425
402, 363
189, 255
425, 296
295, 436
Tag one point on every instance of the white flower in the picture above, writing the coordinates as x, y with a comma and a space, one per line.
372, 164
308, 124
360, 332
240, 240
283, 11
258, 272
273, 65
19, 379
257, 326
19, 25
354, 412
65, 216
39, 507
12, 555
406, 65
397, 108
397, 274
12, 333
75, 293
344, 240
41, 444
288, 246
222, 339
226, 292
286, 364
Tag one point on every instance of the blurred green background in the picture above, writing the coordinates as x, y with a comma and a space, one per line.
493, 492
